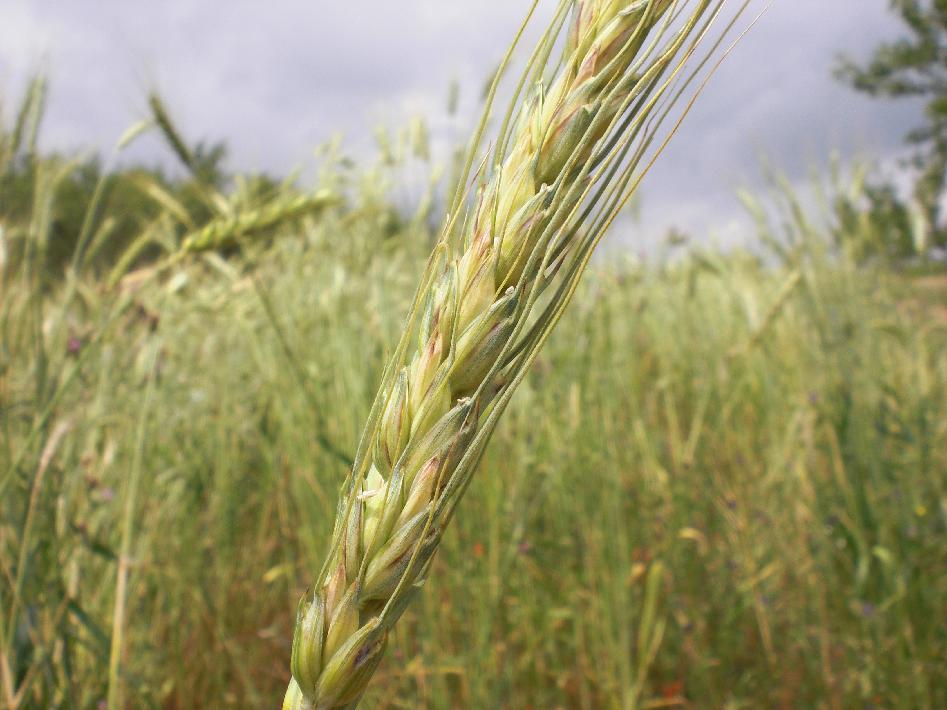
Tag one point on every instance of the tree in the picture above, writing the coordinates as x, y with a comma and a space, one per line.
915, 66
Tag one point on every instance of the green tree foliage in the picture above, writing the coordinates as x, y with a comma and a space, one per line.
915, 66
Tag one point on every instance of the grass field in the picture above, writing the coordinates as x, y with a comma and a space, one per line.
722, 484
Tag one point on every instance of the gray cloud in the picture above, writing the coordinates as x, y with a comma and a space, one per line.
274, 79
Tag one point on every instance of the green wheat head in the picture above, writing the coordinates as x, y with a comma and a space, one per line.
567, 158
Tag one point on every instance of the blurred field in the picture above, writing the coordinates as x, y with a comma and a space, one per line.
722, 485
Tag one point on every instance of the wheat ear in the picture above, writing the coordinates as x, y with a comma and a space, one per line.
223, 231
559, 176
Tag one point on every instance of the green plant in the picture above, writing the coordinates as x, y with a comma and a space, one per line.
555, 182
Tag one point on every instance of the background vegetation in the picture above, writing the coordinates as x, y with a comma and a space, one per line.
722, 484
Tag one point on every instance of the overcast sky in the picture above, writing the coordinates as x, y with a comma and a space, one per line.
276, 78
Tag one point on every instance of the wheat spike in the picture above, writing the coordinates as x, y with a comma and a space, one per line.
482, 312
223, 231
